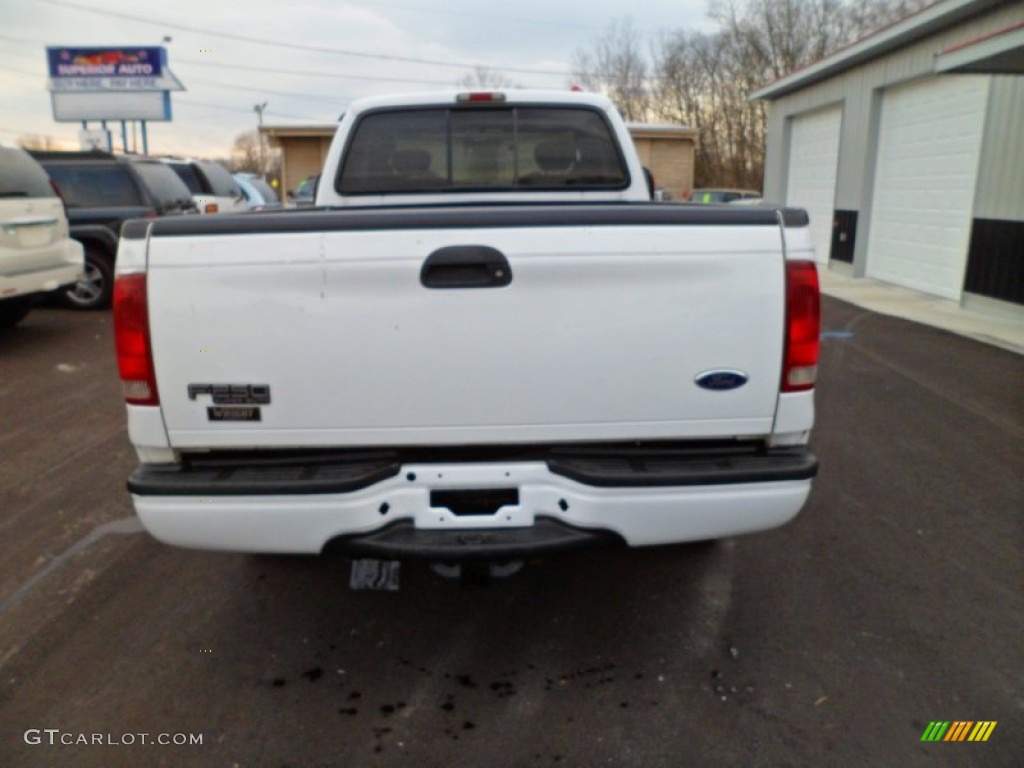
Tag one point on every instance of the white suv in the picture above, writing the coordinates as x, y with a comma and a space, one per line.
36, 254
212, 187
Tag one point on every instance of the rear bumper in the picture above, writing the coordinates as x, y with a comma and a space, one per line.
49, 269
404, 541
400, 515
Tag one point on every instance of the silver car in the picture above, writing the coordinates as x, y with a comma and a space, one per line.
259, 196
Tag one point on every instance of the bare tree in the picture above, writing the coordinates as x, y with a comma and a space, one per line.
867, 17
704, 79
246, 155
617, 67
785, 35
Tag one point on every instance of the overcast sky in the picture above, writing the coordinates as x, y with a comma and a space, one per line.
226, 77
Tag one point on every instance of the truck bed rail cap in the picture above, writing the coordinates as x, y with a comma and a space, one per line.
469, 217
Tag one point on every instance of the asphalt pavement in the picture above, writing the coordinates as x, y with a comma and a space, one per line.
894, 600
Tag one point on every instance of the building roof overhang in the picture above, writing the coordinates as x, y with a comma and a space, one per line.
997, 53
299, 131
661, 130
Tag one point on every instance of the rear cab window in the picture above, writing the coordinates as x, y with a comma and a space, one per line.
94, 185
22, 176
164, 185
188, 175
481, 149
220, 180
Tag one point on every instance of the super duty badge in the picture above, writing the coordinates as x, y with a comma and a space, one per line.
219, 413
232, 394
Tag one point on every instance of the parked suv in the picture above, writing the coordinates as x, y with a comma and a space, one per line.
101, 192
212, 187
36, 254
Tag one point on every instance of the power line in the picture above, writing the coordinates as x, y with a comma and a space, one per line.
227, 86
311, 73
271, 70
21, 41
191, 103
472, 14
22, 71
288, 94
291, 46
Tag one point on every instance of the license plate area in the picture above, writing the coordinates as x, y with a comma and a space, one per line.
449, 496
34, 235
474, 502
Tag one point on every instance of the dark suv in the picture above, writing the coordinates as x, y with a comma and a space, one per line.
101, 191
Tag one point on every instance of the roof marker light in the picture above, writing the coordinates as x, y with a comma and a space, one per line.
479, 96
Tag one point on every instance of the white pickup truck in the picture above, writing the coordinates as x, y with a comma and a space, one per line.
484, 342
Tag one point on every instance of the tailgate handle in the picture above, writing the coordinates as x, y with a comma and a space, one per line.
466, 266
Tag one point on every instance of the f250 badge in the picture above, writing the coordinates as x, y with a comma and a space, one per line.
246, 395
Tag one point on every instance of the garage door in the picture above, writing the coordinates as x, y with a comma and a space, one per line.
813, 158
925, 175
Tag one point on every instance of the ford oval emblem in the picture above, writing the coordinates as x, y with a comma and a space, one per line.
721, 380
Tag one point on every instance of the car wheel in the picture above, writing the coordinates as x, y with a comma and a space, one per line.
13, 311
96, 287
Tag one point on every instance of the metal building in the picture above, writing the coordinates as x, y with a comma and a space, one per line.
907, 150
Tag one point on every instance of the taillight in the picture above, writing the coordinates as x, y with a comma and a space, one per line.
60, 193
803, 327
210, 208
131, 338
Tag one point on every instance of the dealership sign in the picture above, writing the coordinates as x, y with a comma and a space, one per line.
110, 69
102, 83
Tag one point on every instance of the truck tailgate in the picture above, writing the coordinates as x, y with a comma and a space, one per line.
600, 334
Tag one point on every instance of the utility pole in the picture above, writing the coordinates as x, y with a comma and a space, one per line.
258, 109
